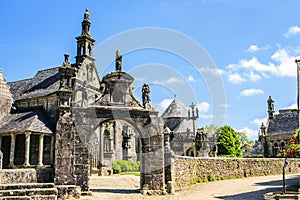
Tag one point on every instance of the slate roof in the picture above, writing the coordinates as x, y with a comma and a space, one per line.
286, 122
28, 121
175, 109
183, 126
45, 82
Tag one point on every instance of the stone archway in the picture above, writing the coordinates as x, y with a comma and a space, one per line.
149, 128
73, 133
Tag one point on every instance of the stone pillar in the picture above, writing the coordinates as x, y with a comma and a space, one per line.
101, 150
12, 150
41, 148
27, 149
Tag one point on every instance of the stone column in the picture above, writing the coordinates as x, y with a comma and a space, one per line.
41, 148
101, 151
27, 149
12, 150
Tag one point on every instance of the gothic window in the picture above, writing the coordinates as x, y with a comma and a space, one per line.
89, 50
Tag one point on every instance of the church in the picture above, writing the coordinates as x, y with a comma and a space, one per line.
281, 126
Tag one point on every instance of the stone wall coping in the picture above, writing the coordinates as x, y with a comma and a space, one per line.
221, 158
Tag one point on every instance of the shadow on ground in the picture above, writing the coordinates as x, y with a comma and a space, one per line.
116, 191
257, 195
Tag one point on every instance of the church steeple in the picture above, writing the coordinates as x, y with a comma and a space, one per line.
85, 43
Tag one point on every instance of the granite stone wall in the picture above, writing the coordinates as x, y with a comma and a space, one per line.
13, 176
189, 169
5, 96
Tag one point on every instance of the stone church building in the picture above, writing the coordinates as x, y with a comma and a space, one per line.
64, 123
281, 126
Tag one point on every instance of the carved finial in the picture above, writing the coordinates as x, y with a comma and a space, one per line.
87, 14
118, 61
67, 58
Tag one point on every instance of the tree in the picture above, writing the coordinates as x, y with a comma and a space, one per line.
228, 142
211, 130
246, 144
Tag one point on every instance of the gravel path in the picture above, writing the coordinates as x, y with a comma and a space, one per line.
126, 187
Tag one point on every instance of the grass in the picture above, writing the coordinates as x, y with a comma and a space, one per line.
130, 173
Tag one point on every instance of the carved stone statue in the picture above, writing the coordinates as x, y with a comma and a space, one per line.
146, 94
118, 61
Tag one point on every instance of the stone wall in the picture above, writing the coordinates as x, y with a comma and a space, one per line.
190, 169
5, 96
14, 176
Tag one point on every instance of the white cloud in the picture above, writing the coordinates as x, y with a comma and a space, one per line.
286, 66
191, 78
251, 134
211, 70
258, 121
283, 64
174, 80
203, 107
251, 92
293, 106
293, 30
253, 48
254, 77
235, 78
163, 105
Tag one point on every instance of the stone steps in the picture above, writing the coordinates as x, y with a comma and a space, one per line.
30, 191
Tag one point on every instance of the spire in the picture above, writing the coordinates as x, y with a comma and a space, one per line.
86, 23
85, 43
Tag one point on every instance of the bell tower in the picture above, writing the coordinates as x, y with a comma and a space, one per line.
85, 43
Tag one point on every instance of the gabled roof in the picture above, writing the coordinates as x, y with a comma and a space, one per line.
286, 122
175, 109
45, 82
33, 121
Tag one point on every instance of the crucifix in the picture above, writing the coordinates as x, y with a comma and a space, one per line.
194, 116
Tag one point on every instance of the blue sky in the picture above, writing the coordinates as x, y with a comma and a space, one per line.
252, 43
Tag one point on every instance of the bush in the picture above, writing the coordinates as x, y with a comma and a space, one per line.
211, 178
125, 166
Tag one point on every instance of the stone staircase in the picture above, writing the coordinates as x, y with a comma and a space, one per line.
28, 191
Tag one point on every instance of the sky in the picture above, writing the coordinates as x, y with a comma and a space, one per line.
226, 56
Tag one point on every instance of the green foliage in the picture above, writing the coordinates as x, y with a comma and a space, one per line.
211, 178
211, 130
246, 144
228, 142
125, 166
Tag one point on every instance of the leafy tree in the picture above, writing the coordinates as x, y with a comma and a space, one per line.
228, 142
211, 129
246, 144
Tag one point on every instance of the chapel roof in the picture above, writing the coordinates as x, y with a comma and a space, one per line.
184, 127
285, 122
33, 121
45, 82
175, 109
